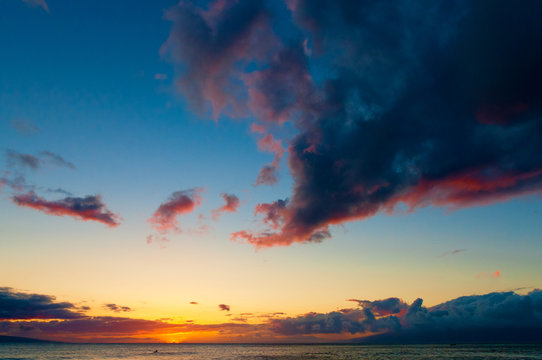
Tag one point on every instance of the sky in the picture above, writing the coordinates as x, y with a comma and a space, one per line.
270, 171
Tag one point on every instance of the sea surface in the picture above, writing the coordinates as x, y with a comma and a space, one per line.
264, 352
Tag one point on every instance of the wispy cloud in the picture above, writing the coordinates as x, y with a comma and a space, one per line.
19, 160
452, 252
493, 275
57, 159
24, 126
37, 3
231, 205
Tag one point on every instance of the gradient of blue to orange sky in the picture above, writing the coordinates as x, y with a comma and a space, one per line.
262, 171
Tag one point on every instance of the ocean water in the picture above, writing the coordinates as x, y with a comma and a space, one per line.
264, 352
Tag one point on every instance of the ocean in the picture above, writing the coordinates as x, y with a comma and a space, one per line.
51, 351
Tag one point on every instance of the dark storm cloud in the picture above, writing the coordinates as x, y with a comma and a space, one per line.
16, 305
409, 104
85, 208
420, 103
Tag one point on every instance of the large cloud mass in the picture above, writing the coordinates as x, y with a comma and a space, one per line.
420, 103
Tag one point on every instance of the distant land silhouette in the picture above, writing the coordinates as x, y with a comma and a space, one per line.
17, 339
481, 335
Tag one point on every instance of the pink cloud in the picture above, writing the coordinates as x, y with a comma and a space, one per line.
257, 128
89, 208
267, 175
269, 144
179, 203
204, 41
231, 205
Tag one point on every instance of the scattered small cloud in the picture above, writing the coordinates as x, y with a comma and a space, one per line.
224, 307
194, 303
24, 126
117, 308
160, 76
179, 203
231, 205
453, 252
164, 220
493, 275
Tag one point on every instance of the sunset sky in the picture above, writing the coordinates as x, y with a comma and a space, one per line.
268, 171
